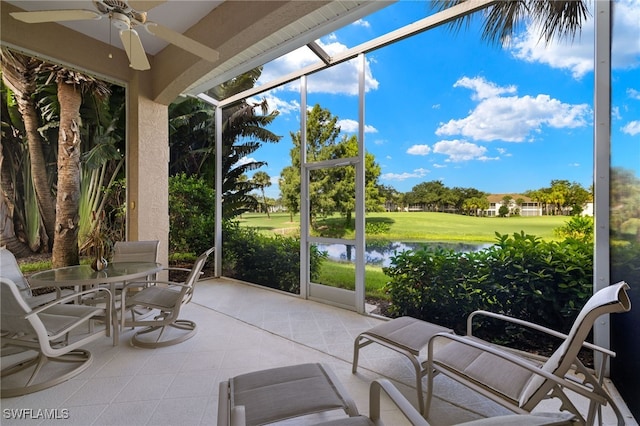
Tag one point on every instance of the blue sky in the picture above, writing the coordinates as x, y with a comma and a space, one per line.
445, 105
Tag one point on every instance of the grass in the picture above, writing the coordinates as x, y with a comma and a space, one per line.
420, 226
342, 275
405, 227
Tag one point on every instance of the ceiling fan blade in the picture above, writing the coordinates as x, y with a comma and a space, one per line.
135, 50
145, 5
42, 16
182, 41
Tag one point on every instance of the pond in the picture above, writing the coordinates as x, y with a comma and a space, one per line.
380, 253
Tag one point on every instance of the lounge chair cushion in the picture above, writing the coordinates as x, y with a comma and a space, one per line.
286, 392
407, 333
485, 369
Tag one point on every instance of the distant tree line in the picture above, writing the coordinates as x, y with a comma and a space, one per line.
560, 198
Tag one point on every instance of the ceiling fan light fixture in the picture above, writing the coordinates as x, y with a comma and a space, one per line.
120, 21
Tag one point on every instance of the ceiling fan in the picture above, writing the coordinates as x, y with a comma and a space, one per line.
125, 18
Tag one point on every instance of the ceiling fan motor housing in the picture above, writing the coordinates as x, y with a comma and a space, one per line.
120, 8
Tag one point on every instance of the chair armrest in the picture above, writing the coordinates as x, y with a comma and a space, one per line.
146, 283
397, 398
510, 357
238, 416
174, 268
70, 297
532, 326
223, 403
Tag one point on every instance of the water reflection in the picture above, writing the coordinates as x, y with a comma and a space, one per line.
380, 253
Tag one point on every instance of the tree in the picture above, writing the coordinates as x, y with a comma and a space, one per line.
506, 202
429, 194
625, 204
392, 198
459, 196
192, 141
71, 85
240, 123
556, 18
20, 73
262, 180
289, 183
330, 189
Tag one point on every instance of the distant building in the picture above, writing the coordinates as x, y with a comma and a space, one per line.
528, 207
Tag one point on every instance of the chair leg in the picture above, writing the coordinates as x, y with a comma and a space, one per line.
190, 326
80, 356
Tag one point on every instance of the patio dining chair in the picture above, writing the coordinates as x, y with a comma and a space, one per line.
131, 251
135, 251
10, 269
52, 331
166, 298
516, 380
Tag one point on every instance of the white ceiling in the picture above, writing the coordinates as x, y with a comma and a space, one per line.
181, 15
176, 15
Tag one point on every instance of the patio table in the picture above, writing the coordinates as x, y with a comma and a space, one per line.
83, 275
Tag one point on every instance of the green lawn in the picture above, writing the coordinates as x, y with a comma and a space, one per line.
420, 226
342, 275
407, 227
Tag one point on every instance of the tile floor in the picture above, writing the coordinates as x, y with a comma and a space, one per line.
241, 328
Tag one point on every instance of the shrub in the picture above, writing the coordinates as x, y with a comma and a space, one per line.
191, 214
520, 275
271, 261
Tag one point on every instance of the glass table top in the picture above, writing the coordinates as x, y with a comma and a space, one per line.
84, 275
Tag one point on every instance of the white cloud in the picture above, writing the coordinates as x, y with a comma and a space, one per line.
633, 94
245, 160
279, 104
339, 79
482, 88
511, 118
458, 150
577, 56
417, 173
351, 126
419, 150
362, 23
632, 128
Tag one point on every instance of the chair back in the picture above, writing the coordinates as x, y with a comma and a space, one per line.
14, 319
9, 269
193, 276
611, 299
135, 251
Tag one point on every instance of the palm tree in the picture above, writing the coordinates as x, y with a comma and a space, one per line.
71, 85
20, 74
262, 181
192, 141
556, 18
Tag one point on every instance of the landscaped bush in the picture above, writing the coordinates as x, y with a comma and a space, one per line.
191, 214
271, 261
520, 275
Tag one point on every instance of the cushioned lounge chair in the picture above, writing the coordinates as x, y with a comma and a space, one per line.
405, 335
287, 393
52, 331
167, 298
517, 381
